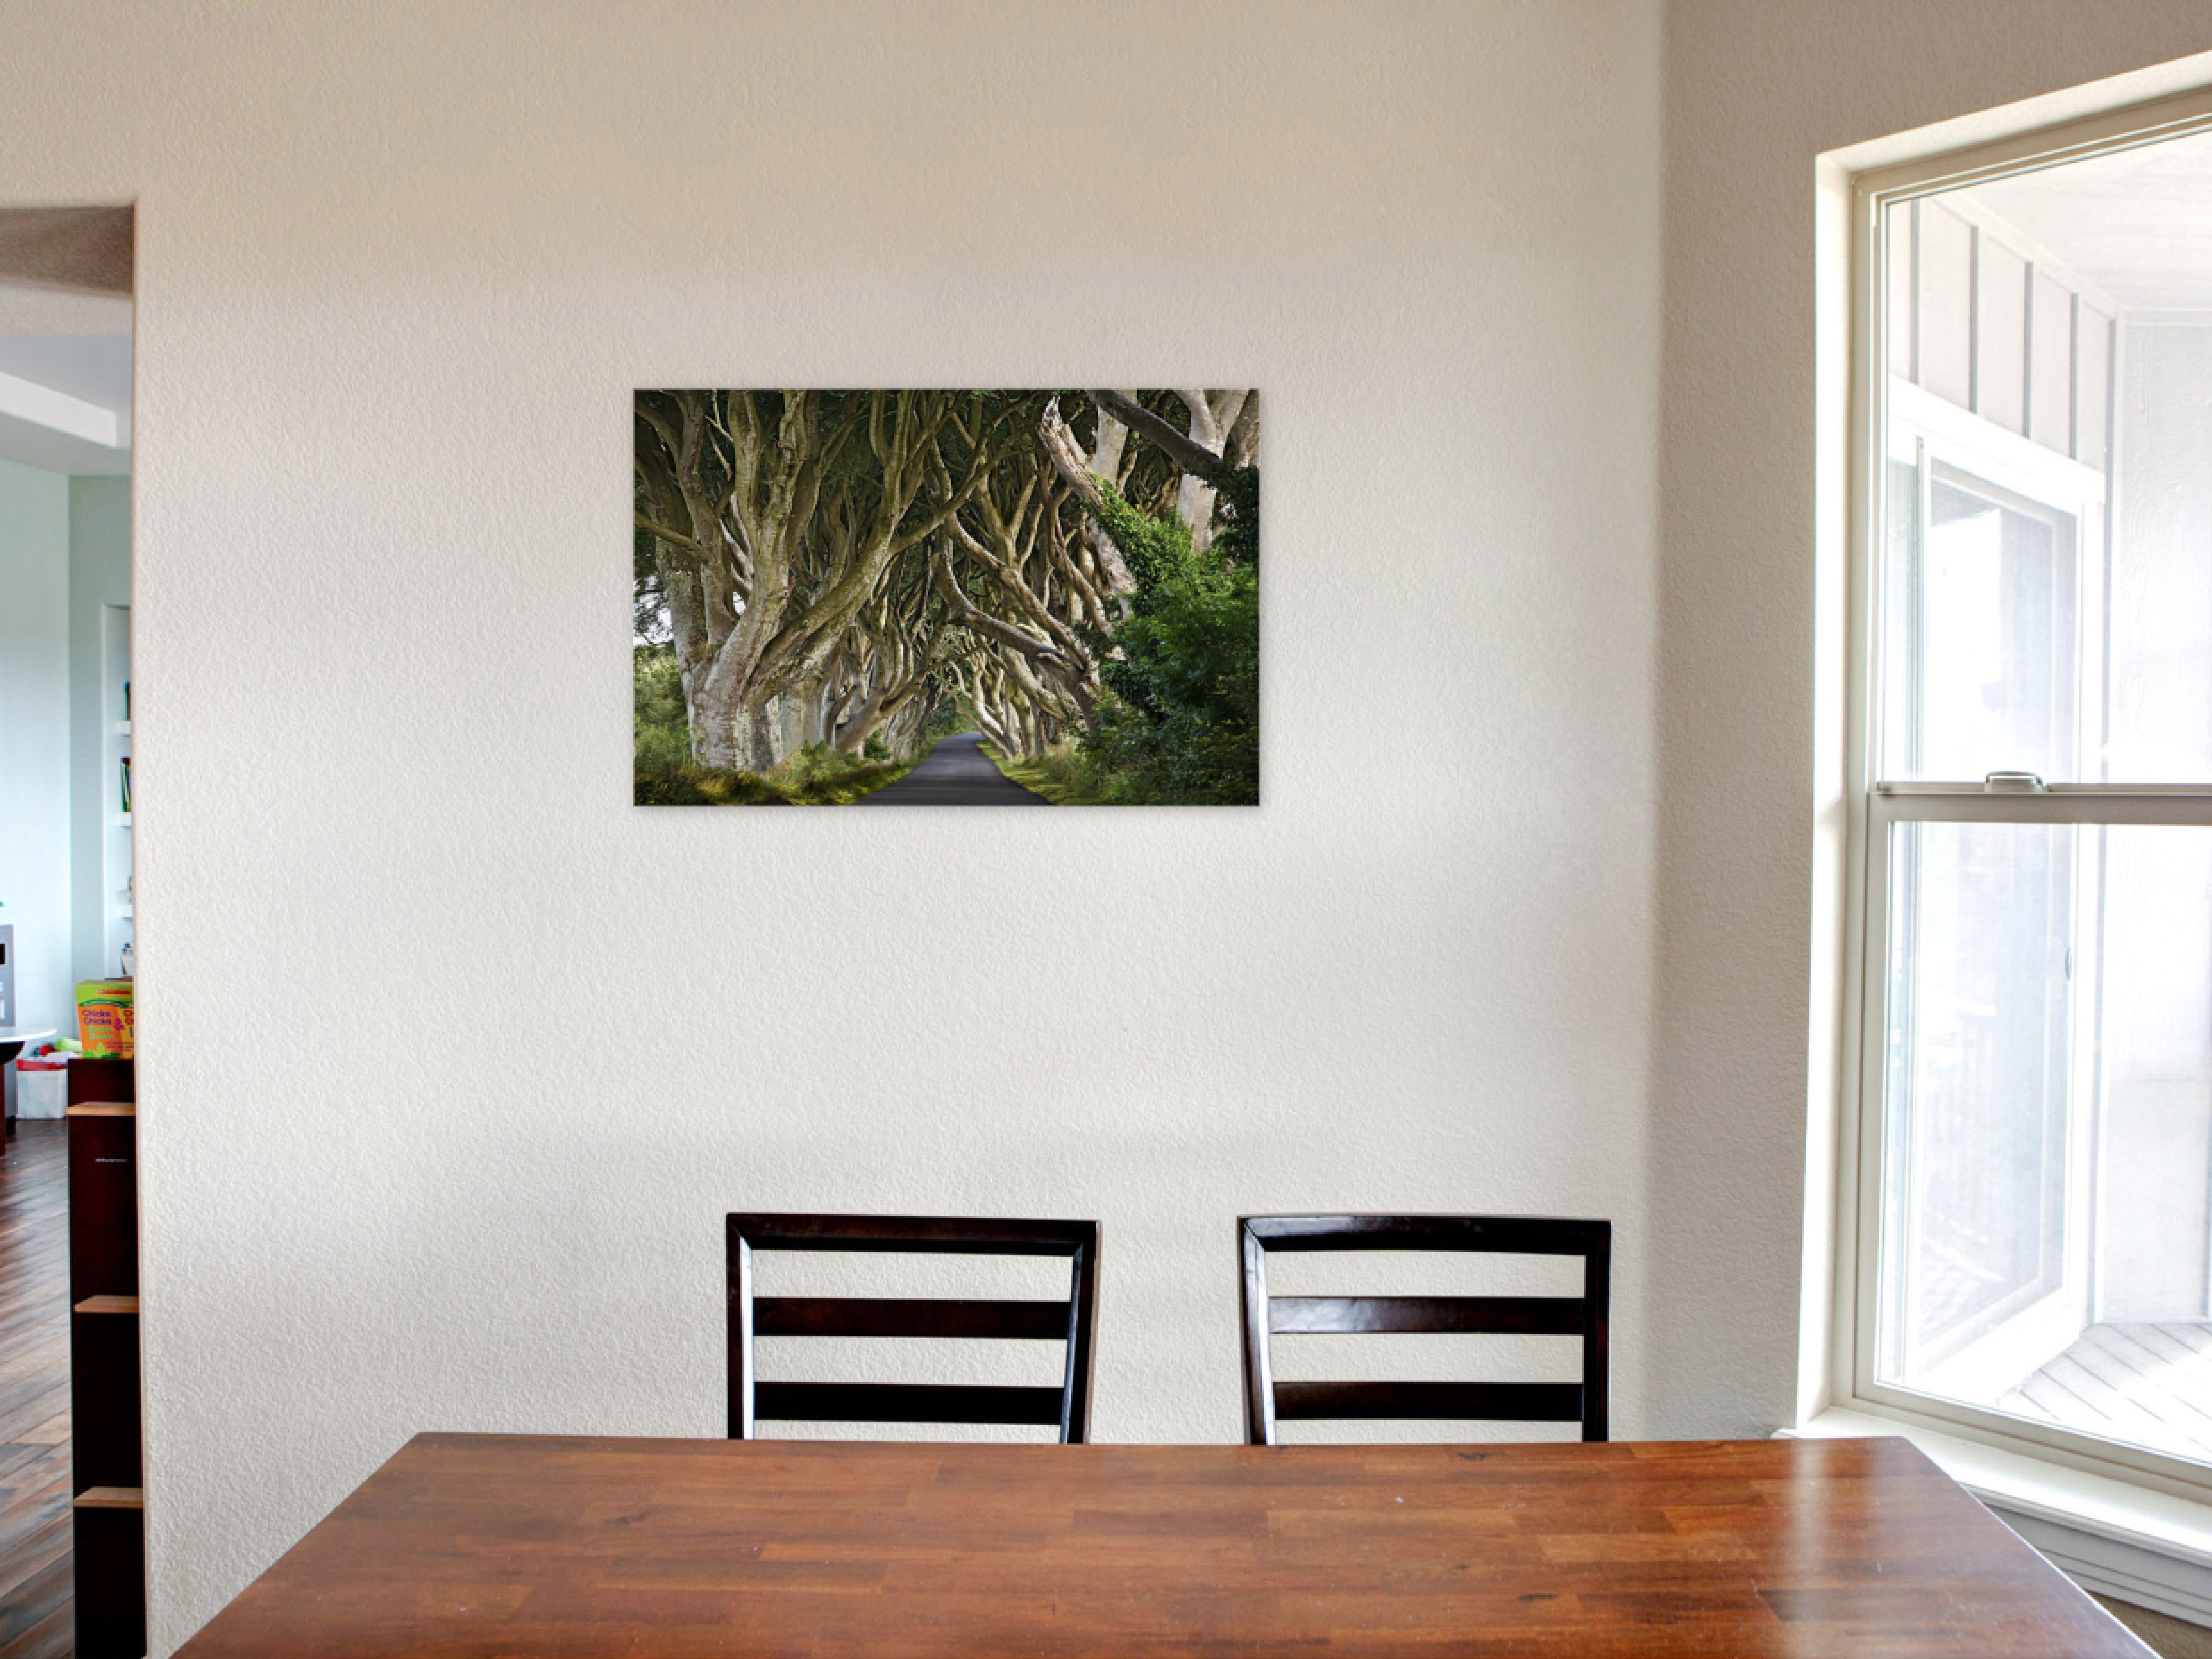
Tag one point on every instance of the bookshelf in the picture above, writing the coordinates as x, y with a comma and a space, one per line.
107, 1457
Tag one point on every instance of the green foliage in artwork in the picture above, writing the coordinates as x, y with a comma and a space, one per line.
1238, 505
1182, 724
817, 775
686, 785
1064, 775
663, 773
660, 733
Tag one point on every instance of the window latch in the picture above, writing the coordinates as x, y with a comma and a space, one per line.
2026, 782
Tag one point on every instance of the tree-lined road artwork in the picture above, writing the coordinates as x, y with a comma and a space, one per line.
963, 598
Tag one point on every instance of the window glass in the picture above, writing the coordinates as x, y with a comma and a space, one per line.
2001, 287
2160, 700
2047, 1151
1984, 630
1978, 1050
2038, 1236
2046, 554
1946, 304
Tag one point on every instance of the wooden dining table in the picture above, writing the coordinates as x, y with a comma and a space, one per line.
481, 1545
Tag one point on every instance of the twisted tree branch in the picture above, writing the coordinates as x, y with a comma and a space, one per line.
1184, 451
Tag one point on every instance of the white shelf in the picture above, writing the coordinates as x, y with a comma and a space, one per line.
123, 728
119, 820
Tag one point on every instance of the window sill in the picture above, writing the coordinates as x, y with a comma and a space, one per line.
2150, 1548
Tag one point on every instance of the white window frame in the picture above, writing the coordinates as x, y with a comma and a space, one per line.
1873, 806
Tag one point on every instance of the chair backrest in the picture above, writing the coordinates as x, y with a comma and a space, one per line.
1073, 1321
1267, 1401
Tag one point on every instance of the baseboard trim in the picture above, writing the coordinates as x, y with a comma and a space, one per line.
2125, 1571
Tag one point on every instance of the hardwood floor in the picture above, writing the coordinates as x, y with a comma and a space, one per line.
37, 1617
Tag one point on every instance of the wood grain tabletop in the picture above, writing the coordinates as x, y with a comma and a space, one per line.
481, 1545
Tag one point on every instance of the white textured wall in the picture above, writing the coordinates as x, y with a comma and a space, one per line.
34, 731
453, 1060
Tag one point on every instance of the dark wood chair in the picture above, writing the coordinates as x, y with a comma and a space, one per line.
1073, 1321
1268, 1402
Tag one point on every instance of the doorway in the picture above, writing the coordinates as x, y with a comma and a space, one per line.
67, 892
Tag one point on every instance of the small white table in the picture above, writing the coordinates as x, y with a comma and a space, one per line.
14, 1039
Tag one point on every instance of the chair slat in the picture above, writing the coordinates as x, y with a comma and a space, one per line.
1519, 1316
804, 1315
1521, 1402
1507, 1234
906, 1402
914, 1234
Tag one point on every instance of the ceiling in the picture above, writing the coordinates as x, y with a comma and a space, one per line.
65, 278
2137, 223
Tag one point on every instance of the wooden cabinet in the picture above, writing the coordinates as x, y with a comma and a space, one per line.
107, 1456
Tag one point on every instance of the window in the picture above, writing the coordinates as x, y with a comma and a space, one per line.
2031, 799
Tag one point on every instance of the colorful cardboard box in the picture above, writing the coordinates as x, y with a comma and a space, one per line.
103, 1018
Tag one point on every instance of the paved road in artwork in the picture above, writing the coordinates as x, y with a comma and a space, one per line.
957, 774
